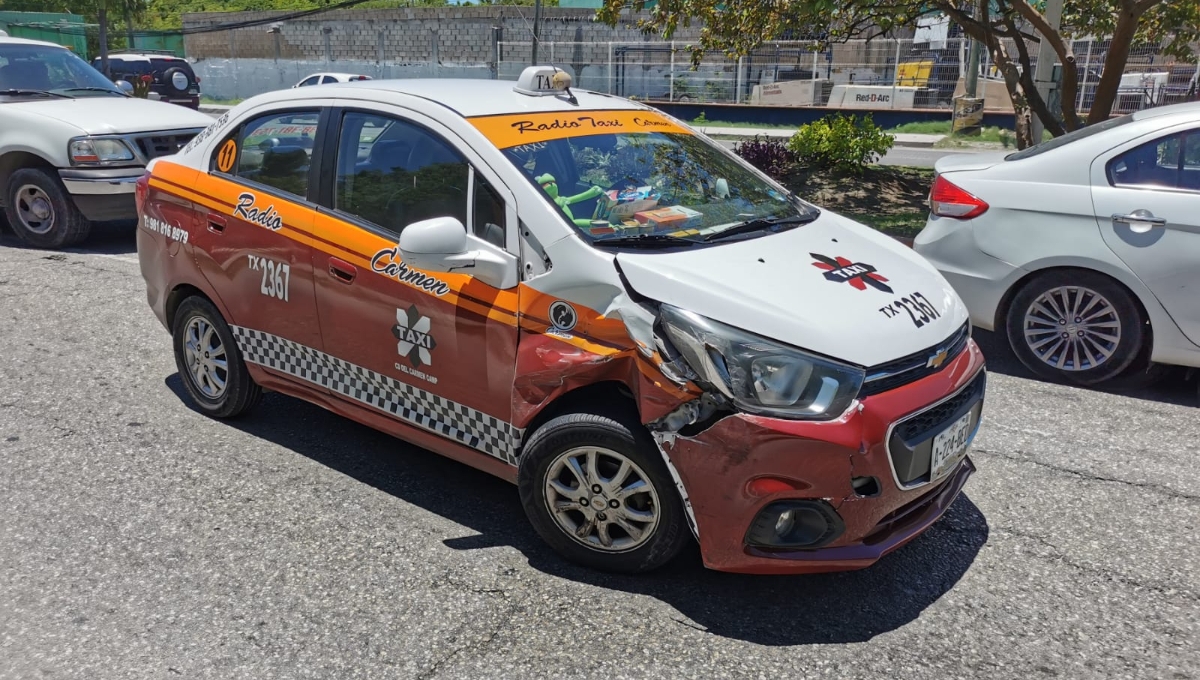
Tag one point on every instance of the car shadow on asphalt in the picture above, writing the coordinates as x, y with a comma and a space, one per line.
1172, 387
767, 610
106, 238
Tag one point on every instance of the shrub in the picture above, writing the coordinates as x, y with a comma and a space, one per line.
700, 120
771, 156
842, 143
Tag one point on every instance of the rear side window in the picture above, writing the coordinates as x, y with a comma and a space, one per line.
274, 150
1171, 162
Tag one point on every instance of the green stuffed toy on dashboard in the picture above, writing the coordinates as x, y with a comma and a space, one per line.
550, 185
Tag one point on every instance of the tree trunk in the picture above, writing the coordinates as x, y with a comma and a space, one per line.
102, 19
1016, 92
128, 28
1114, 66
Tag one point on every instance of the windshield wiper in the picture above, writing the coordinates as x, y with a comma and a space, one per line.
94, 89
645, 241
16, 92
763, 223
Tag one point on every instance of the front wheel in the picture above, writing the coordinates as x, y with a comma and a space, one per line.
1077, 326
596, 489
41, 212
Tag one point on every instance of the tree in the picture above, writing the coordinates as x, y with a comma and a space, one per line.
736, 28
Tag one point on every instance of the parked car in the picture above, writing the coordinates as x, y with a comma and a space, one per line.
578, 294
328, 78
1083, 249
72, 144
172, 78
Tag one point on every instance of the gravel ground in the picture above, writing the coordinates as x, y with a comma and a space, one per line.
143, 540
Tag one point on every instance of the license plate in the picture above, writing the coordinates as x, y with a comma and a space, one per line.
949, 447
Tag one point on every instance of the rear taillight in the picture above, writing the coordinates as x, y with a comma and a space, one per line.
143, 192
948, 200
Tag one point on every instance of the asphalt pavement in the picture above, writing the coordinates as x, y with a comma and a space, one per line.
141, 539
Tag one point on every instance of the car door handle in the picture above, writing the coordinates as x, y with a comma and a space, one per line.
1140, 218
216, 222
342, 271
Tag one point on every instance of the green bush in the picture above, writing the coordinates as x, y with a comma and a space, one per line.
842, 143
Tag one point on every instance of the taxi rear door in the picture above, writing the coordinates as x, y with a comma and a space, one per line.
254, 243
434, 350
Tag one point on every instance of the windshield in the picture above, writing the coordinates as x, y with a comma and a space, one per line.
631, 182
50, 69
1057, 142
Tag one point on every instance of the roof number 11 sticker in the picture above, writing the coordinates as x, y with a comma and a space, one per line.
917, 306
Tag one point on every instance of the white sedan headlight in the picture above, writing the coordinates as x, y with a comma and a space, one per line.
759, 375
86, 150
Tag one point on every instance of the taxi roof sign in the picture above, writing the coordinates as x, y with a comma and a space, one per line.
543, 81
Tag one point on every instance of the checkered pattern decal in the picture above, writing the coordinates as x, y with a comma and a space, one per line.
411, 404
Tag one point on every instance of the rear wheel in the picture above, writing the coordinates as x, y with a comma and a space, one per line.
596, 489
1077, 326
210, 363
41, 212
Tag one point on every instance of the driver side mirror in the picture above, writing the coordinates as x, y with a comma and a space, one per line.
125, 86
442, 244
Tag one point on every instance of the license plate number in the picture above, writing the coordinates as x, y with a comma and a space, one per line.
949, 447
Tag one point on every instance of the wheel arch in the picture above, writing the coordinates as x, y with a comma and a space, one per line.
604, 397
176, 297
17, 160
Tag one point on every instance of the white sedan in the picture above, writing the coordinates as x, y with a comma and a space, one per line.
1084, 249
327, 78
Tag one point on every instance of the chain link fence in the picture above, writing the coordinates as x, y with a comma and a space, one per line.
877, 74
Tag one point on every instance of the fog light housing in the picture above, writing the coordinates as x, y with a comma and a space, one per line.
805, 524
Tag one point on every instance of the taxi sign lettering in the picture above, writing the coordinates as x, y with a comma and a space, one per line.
389, 263
263, 217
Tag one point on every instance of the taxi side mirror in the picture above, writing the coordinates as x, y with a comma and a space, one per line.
442, 244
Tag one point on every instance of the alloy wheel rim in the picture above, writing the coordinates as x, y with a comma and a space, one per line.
35, 209
207, 364
601, 499
1072, 328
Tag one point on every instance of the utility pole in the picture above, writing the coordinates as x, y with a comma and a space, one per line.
537, 21
972, 84
1043, 74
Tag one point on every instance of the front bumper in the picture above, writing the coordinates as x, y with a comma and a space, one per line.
103, 194
722, 467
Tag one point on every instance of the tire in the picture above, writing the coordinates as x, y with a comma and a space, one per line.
198, 367
168, 79
610, 438
1108, 341
41, 212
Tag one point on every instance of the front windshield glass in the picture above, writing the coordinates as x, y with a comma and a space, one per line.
50, 69
627, 181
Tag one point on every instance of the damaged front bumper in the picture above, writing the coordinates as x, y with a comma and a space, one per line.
733, 470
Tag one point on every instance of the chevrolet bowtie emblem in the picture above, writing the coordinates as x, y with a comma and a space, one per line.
936, 360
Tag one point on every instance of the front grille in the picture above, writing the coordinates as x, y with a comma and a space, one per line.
915, 366
910, 443
925, 422
153, 146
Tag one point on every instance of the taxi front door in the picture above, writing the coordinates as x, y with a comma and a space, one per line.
434, 350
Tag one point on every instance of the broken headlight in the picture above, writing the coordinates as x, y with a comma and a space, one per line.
759, 375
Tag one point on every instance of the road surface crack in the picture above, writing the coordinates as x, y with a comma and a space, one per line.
1148, 486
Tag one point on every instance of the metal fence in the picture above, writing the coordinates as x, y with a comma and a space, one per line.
882, 73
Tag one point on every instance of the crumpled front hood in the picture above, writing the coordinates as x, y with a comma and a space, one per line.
833, 287
113, 115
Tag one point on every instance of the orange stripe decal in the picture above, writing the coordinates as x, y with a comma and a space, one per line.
527, 128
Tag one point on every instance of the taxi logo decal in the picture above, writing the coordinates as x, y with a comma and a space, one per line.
263, 217
563, 316
509, 130
390, 263
412, 332
857, 274
226, 156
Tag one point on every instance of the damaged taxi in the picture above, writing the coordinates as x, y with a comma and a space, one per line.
581, 295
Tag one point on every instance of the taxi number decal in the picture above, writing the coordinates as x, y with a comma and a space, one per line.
160, 227
918, 307
276, 276
227, 156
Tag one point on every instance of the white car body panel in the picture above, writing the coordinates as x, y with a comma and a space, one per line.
1054, 210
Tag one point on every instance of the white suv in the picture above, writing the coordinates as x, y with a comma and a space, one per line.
72, 144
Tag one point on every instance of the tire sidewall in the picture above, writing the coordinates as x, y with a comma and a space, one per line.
1133, 326
239, 386
69, 225
578, 430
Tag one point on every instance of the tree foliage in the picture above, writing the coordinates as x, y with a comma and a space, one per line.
1004, 27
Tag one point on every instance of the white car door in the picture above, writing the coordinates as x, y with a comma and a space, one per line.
1147, 199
